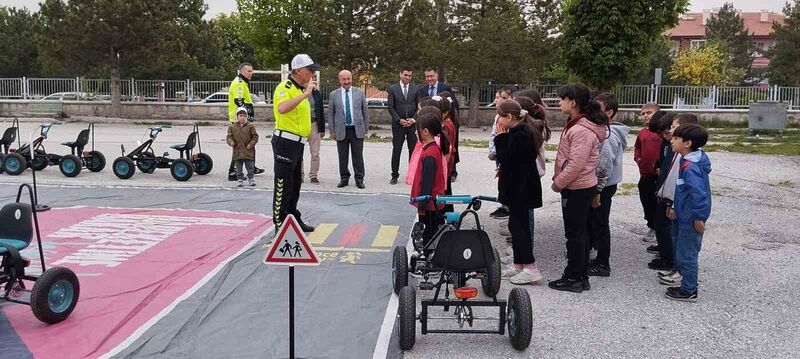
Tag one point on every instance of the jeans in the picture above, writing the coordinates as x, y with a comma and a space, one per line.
687, 250
249, 164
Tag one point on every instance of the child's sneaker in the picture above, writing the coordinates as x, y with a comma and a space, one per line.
504, 231
650, 236
598, 270
241, 183
510, 272
670, 282
681, 295
527, 276
507, 259
653, 249
669, 274
251, 182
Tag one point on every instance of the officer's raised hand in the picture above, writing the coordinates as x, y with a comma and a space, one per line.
310, 87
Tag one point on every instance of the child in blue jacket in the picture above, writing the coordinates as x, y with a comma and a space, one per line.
692, 206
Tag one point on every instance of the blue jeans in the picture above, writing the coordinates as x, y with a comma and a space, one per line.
687, 250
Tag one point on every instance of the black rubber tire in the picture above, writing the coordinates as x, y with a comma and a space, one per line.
399, 269
181, 174
129, 168
2, 169
95, 161
203, 164
407, 311
70, 165
491, 280
520, 324
146, 162
21, 164
40, 294
39, 160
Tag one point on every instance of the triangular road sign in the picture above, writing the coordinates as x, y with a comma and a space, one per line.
291, 246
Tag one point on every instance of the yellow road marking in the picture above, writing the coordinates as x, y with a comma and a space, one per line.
322, 232
351, 249
385, 236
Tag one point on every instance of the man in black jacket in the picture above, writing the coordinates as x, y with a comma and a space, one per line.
403, 98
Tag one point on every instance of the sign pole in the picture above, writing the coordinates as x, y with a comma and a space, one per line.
291, 312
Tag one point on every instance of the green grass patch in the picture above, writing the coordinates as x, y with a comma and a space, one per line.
204, 123
551, 147
473, 143
785, 184
780, 148
627, 189
154, 123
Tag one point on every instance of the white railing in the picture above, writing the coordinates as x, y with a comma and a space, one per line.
667, 96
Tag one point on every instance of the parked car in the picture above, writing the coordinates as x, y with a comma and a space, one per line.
222, 97
68, 96
377, 102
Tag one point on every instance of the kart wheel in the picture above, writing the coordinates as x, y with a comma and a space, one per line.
181, 169
123, 167
2, 169
519, 318
407, 310
146, 162
55, 295
39, 160
70, 165
203, 164
14, 164
95, 161
399, 269
490, 282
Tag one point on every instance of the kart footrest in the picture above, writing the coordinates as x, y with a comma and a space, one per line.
427, 286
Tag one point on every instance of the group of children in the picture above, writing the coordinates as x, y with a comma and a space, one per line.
674, 185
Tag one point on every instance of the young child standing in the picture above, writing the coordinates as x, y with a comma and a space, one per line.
242, 137
502, 95
692, 207
430, 179
609, 174
576, 161
645, 153
520, 187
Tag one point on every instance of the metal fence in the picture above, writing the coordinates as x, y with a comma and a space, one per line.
673, 97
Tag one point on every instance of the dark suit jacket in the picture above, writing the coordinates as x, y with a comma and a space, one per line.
319, 110
440, 87
402, 107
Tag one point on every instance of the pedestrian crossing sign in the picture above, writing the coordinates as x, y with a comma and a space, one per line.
291, 246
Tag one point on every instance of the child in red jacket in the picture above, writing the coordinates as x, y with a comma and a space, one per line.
646, 153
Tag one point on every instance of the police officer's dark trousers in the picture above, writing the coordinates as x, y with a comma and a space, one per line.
288, 158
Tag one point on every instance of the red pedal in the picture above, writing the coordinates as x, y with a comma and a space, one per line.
27, 262
465, 292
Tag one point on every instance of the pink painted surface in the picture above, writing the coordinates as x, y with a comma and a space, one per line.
352, 235
116, 301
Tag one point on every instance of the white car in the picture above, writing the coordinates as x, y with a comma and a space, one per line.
378, 102
68, 96
222, 97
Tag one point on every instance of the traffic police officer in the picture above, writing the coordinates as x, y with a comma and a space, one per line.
292, 113
239, 96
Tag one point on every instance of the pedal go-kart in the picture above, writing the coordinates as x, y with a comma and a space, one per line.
55, 292
144, 158
10, 135
71, 164
16, 161
452, 257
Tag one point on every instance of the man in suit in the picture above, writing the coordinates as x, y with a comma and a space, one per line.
433, 87
349, 123
403, 98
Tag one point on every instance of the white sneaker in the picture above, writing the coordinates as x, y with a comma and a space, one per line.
527, 276
507, 259
510, 272
649, 237
251, 182
241, 183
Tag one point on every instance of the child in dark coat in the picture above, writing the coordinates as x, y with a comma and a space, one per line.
242, 137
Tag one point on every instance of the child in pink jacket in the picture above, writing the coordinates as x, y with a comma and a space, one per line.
575, 178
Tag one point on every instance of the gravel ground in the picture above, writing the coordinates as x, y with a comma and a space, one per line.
748, 265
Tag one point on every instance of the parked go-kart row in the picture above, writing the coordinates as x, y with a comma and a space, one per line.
14, 161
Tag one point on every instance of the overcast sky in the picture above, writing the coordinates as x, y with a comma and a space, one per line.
226, 6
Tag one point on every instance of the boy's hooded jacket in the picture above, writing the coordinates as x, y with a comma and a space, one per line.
693, 191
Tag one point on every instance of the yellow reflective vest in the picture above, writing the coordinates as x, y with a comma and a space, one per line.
239, 95
298, 120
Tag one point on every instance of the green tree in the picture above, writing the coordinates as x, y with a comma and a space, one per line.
784, 67
606, 41
148, 38
659, 55
727, 28
235, 49
279, 29
17, 55
492, 42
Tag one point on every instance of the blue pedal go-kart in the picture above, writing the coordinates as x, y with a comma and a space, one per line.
10, 135
55, 292
29, 155
445, 263
143, 157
